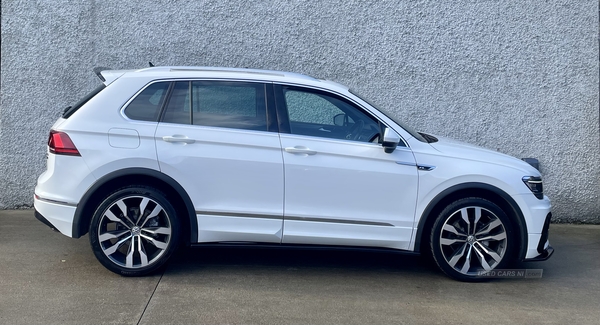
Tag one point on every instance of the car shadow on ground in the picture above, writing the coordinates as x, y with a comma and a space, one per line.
193, 259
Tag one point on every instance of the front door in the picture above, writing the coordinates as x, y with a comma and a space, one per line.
341, 188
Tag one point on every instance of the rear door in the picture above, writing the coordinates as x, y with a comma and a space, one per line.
341, 188
217, 140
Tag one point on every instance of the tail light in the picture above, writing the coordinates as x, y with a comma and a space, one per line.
59, 143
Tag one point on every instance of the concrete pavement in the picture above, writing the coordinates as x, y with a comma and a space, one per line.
47, 278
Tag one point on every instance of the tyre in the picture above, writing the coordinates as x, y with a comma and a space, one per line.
470, 237
134, 231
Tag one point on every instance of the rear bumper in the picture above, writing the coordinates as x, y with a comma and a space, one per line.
45, 221
57, 215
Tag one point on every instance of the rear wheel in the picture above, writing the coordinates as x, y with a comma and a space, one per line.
134, 231
472, 236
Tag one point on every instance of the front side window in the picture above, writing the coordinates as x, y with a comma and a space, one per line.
239, 105
146, 106
321, 110
316, 113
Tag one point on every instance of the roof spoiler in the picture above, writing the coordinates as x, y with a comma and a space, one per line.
98, 70
107, 75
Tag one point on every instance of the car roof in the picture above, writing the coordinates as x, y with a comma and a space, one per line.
166, 72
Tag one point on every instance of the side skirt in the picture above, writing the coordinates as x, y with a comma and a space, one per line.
252, 245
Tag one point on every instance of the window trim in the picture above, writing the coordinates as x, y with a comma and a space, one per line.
283, 119
270, 101
270, 106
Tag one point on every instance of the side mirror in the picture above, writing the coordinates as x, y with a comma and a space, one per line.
390, 140
340, 120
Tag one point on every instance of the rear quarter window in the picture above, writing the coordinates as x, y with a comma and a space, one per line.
147, 104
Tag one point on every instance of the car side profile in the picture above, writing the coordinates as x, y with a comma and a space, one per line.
162, 156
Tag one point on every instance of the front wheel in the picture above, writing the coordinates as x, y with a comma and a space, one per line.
470, 237
134, 231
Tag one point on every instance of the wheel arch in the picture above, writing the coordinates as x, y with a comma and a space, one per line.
143, 176
482, 190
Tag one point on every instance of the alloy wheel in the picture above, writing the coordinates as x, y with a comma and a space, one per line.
134, 232
473, 240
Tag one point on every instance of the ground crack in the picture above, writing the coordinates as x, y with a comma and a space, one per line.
150, 299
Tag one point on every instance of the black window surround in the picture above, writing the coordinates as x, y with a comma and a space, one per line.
284, 119
264, 97
229, 104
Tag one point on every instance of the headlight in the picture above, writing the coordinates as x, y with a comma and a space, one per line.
535, 185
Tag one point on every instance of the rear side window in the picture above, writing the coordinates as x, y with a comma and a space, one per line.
238, 105
72, 109
146, 106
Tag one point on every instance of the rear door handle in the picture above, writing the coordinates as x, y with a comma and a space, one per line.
300, 150
178, 138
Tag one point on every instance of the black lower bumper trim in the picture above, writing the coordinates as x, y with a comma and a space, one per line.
542, 257
544, 237
41, 218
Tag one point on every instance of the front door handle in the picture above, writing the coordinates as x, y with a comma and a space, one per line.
178, 138
300, 150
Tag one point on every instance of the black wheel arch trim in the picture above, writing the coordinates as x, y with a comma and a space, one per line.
189, 207
521, 225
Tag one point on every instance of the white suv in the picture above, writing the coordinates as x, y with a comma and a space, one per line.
167, 155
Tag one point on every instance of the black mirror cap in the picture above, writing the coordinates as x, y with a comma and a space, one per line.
389, 150
389, 147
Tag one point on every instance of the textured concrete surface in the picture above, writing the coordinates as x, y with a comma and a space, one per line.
518, 77
47, 278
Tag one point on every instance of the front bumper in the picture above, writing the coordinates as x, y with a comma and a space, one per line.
542, 251
544, 256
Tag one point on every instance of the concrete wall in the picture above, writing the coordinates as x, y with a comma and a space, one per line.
520, 77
